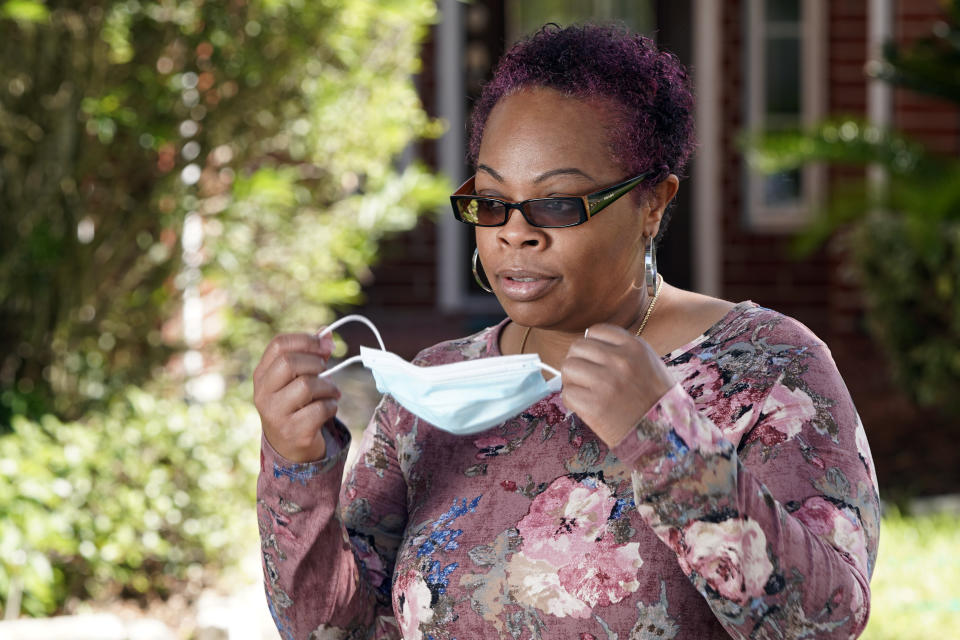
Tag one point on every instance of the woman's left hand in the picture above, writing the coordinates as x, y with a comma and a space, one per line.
611, 378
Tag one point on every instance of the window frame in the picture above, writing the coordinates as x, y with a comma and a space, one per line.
788, 217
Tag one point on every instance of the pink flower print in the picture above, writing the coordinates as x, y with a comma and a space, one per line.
535, 583
837, 528
606, 576
412, 604
565, 521
730, 555
700, 380
783, 415
548, 410
735, 415
568, 563
697, 432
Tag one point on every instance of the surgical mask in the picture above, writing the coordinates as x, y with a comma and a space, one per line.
461, 398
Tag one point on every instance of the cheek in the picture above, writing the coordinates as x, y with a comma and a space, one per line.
485, 238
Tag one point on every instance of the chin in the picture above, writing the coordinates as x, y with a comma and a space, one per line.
539, 314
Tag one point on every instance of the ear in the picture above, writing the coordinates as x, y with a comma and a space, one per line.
657, 201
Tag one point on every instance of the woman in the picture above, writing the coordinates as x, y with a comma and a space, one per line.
701, 474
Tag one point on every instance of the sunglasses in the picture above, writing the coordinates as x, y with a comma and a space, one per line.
550, 213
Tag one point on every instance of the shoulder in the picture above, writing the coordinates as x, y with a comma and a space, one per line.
753, 347
750, 323
482, 344
775, 328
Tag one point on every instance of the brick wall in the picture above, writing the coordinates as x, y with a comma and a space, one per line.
755, 265
934, 122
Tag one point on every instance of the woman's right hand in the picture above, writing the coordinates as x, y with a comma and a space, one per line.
293, 402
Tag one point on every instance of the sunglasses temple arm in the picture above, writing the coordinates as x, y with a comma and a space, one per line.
604, 199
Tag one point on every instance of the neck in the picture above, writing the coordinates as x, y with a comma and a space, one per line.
552, 344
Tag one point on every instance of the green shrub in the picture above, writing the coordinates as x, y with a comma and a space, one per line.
278, 122
910, 273
132, 500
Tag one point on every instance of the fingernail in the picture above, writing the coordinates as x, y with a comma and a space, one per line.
586, 332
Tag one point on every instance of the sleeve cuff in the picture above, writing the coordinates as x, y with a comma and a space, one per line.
337, 438
671, 432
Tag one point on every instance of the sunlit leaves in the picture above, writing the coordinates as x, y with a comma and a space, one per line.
24, 10
141, 496
119, 120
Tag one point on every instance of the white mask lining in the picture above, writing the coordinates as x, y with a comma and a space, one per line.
353, 359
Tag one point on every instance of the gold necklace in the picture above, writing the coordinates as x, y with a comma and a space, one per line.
523, 340
653, 303
643, 323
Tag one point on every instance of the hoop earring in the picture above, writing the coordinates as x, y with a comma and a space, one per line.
476, 272
650, 266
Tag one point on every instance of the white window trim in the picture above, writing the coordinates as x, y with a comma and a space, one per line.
761, 217
453, 265
707, 210
879, 93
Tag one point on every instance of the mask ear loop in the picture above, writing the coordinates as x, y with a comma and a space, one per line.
342, 321
548, 369
554, 383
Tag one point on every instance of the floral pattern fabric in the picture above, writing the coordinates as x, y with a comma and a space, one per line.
744, 505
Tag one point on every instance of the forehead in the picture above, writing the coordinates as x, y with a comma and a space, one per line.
539, 129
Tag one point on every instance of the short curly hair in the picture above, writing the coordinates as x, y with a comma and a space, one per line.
647, 90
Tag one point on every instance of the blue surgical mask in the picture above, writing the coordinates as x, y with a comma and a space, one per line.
461, 398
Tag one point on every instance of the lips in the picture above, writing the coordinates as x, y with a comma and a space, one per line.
523, 285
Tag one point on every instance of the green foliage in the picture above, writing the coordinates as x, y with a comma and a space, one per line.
932, 64
917, 581
24, 10
904, 231
910, 272
277, 124
276, 121
133, 500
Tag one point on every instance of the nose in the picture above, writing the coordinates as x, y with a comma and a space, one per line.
517, 232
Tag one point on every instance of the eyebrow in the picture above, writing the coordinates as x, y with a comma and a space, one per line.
543, 176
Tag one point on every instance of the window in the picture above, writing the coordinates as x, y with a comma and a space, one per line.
785, 77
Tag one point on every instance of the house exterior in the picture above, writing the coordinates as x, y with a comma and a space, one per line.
756, 64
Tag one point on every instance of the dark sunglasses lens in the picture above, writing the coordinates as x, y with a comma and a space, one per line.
481, 211
555, 212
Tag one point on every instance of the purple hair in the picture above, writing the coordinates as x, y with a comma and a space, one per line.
647, 91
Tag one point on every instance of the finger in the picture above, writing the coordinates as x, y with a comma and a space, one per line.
609, 333
293, 342
326, 340
301, 391
288, 366
577, 399
306, 422
594, 350
583, 372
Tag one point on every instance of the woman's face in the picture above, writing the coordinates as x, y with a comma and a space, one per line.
539, 143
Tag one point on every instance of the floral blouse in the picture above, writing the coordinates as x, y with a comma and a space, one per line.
744, 506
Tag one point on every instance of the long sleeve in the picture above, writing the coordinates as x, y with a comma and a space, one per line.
328, 562
755, 472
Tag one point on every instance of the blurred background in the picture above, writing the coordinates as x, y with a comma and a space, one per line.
181, 180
